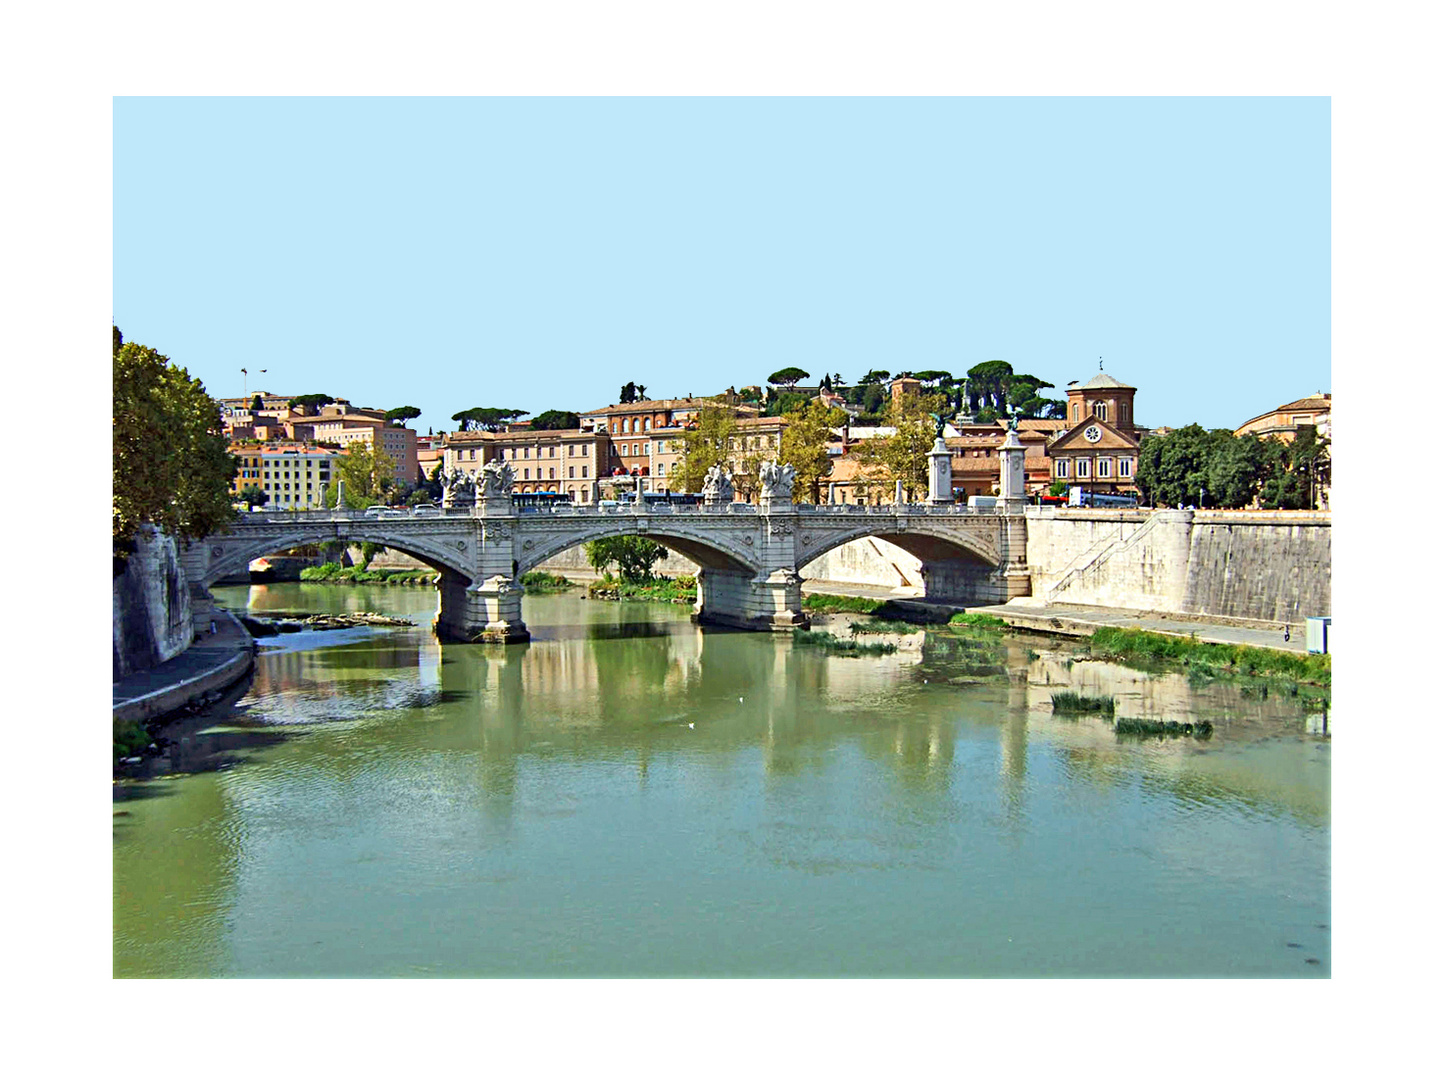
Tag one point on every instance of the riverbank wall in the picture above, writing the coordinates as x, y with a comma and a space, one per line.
213, 662
1250, 567
150, 605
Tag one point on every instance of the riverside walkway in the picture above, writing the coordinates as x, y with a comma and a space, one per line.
212, 662
1078, 621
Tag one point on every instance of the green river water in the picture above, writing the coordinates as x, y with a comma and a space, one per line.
630, 795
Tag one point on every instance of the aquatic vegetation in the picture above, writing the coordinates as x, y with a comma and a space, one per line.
1069, 702
973, 618
842, 646
883, 626
1199, 729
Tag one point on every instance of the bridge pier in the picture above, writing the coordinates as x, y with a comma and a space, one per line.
750, 601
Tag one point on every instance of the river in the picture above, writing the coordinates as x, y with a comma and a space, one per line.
630, 795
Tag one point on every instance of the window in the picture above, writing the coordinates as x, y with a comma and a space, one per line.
1101, 410
572, 450
1126, 466
551, 451
1103, 467
526, 474
571, 471
1062, 467
662, 469
584, 472
584, 494
551, 474
1076, 410
1083, 466
647, 423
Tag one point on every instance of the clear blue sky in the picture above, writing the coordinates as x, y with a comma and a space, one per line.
538, 253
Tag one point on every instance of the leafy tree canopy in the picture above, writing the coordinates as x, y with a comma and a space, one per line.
312, 401
783, 402
479, 419
904, 455
788, 376
556, 420
877, 375
635, 556
805, 445
932, 376
402, 414
170, 466
631, 393
369, 473
704, 444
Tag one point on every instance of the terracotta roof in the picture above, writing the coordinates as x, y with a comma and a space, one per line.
663, 405
1313, 403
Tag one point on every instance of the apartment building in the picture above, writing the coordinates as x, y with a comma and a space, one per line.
565, 462
291, 474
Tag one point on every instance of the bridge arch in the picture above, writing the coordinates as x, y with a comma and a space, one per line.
230, 553
925, 542
711, 552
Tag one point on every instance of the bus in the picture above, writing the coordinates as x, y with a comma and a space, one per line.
1079, 497
540, 500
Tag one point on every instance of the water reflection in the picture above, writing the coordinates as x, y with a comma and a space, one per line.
625, 754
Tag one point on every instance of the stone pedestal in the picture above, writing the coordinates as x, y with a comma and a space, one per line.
495, 606
940, 474
1011, 491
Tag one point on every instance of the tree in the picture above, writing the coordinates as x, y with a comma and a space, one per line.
805, 444
635, 556
631, 393
252, 495
705, 444
256, 404
875, 376
312, 401
1057, 488
556, 420
932, 376
988, 386
788, 376
368, 472
904, 455
785, 401
403, 414
169, 464
479, 419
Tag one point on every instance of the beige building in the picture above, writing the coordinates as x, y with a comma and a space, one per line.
291, 474
565, 462
1285, 421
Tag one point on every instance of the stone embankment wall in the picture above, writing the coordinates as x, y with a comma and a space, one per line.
1254, 566
150, 606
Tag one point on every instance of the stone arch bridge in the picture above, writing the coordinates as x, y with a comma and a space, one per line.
750, 555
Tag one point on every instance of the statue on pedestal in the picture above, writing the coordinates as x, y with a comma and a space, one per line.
496, 479
777, 481
717, 486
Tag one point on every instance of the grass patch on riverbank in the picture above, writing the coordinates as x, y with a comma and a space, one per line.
659, 590
974, 618
842, 646
884, 626
1200, 729
828, 603
1070, 702
335, 574
541, 582
1212, 657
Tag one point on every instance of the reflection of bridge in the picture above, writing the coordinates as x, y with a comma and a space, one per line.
750, 556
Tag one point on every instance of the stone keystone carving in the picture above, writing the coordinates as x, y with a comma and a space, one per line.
717, 486
777, 481
496, 479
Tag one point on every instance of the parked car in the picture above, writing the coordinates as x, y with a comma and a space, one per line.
376, 511
427, 510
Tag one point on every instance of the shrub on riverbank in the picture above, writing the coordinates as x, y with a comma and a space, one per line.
1212, 657
842, 646
335, 574
661, 590
1070, 702
128, 737
539, 581
827, 603
884, 626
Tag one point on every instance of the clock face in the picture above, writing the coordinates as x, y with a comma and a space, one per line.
1093, 433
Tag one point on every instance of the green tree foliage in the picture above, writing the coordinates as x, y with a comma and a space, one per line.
169, 463
1058, 487
479, 419
877, 375
904, 455
252, 495
635, 556
932, 377
402, 414
369, 473
805, 445
631, 393
784, 402
256, 404
704, 445
1194, 467
556, 420
310, 401
788, 376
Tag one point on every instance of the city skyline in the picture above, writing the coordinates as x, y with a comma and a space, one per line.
539, 253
